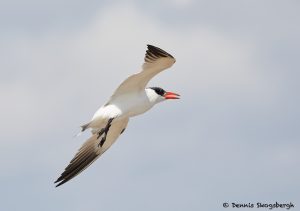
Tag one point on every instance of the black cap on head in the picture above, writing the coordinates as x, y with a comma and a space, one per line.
158, 90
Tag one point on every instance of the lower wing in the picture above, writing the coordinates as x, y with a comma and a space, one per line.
90, 151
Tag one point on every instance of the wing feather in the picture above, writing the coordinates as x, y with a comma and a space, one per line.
155, 61
90, 151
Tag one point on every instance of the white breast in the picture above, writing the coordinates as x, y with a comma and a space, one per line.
124, 106
133, 104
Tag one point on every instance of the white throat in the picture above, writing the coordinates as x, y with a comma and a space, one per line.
153, 97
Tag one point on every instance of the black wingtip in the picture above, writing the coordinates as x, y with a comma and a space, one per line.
157, 51
58, 180
59, 184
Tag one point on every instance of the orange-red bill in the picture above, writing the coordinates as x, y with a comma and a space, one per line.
171, 95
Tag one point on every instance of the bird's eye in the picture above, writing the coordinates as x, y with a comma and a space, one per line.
158, 91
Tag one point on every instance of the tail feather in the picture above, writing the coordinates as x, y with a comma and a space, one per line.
85, 126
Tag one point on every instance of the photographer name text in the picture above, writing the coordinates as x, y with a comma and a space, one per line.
269, 206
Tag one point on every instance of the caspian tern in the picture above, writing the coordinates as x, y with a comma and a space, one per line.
131, 98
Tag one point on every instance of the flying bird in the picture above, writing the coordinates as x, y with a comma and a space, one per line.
131, 98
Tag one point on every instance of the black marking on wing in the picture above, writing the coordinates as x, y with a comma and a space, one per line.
123, 130
153, 53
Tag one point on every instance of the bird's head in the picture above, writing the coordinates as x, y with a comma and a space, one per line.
158, 94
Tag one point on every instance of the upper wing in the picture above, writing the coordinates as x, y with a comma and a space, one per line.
90, 151
156, 60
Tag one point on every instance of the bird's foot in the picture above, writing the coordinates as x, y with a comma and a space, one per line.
105, 131
100, 133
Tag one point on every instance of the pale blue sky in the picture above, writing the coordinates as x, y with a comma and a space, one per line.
233, 136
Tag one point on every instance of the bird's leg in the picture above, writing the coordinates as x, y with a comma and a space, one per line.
105, 131
100, 132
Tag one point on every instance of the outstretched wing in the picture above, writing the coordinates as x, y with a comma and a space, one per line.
90, 151
156, 60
